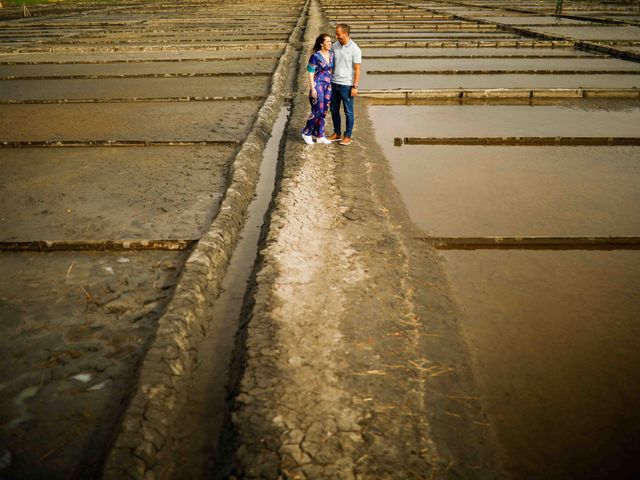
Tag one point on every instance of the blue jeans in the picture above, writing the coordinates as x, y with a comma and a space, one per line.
342, 94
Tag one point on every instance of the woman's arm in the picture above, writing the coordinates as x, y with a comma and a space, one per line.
312, 85
311, 68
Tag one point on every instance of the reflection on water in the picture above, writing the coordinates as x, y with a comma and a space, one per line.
555, 337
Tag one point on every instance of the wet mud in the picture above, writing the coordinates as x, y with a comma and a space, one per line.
77, 326
74, 327
168, 192
362, 352
225, 121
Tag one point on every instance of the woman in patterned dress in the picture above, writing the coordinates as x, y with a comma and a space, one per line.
320, 70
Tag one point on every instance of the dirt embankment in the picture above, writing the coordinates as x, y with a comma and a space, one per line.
354, 364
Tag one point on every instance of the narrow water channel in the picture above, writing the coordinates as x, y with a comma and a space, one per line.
205, 413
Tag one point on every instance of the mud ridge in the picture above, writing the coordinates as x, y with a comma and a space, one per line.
347, 356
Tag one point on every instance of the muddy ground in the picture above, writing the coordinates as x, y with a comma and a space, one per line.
355, 362
110, 136
351, 360
355, 366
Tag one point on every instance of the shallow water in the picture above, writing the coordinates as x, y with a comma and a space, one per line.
203, 418
425, 64
520, 191
594, 33
585, 80
580, 119
453, 52
553, 334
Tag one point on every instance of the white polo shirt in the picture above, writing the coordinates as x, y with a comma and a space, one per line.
345, 57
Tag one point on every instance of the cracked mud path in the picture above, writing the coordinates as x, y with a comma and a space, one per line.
354, 367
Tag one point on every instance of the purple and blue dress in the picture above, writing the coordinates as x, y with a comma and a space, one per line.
322, 71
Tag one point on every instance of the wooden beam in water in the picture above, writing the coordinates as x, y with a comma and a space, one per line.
405, 97
503, 72
519, 141
533, 243
113, 143
95, 245
133, 99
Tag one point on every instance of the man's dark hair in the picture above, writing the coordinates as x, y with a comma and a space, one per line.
344, 27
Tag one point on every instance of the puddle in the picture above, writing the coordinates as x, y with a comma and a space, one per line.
555, 340
67, 193
149, 121
143, 88
204, 416
149, 56
457, 35
141, 68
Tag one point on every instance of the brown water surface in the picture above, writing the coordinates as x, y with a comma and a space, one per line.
484, 191
582, 118
554, 334
555, 338
526, 80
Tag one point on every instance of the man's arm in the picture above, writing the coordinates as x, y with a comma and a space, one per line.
356, 79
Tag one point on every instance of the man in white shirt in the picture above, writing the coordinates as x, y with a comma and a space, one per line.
344, 83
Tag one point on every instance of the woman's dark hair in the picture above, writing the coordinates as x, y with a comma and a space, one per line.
318, 45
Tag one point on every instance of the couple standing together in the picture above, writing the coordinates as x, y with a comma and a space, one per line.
334, 73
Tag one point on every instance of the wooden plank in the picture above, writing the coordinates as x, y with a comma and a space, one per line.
95, 245
503, 72
534, 243
524, 141
138, 75
131, 99
113, 143
404, 95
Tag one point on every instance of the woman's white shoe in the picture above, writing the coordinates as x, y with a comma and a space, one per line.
308, 139
323, 140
